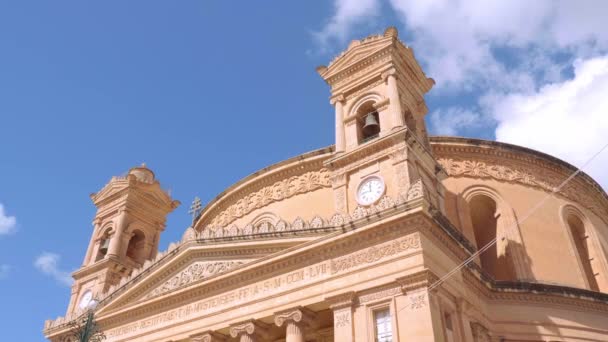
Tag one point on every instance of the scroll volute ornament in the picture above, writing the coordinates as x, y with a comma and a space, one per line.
299, 315
251, 327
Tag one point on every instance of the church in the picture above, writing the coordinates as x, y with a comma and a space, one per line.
375, 238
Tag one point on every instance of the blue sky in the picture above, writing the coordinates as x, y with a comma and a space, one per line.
207, 92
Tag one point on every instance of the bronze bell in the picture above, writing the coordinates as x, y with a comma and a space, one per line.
371, 126
104, 246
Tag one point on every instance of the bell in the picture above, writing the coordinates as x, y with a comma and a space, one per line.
104, 246
371, 126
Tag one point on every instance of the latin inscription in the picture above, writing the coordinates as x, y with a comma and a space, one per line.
235, 297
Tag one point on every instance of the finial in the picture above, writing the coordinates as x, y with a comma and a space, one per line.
391, 31
195, 209
143, 164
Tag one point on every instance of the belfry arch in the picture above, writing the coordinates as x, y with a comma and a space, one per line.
490, 218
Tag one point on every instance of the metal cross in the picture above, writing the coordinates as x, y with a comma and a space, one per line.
195, 208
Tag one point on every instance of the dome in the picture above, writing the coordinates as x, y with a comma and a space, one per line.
142, 173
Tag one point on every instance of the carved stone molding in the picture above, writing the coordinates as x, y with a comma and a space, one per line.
208, 336
251, 327
299, 315
480, 333
416, 281
192, 273
278, 191
520, 167
343, 300
375, 253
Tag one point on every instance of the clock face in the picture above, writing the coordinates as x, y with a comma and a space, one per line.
85, 300
370, 190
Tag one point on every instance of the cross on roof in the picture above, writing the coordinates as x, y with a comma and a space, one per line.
195, 208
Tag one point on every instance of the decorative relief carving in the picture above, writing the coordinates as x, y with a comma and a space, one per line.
317, 222
342, 319
364, 89
417, 301
375, 253
532, 176
480, 333
279, 191
389, 292
340, 199
192, 273
416, 190
189, 234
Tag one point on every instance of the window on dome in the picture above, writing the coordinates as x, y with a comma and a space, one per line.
585, 251
486, 221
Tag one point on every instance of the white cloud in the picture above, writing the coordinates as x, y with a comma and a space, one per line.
8, 224
566, 119
449, 121
348, 13
4, 270
48, 263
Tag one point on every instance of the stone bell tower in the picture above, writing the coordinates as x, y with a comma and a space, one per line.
131, 214
377, 89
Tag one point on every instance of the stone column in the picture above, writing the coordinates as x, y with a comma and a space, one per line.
208, 336
418, 313
338, 102
393, 96
343, 308
296, 320
87, 257
249, 331
119, 228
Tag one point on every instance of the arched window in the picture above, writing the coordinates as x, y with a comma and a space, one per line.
584, 249
136, 246
368, 122
485, 220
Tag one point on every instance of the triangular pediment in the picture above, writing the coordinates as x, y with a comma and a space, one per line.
356, 52
182, 268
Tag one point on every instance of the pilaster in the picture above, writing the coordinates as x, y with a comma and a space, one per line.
418, 311
343, 306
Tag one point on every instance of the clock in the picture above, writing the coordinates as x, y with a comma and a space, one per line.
85, 300
370, 190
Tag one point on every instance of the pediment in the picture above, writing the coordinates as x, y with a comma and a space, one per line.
182, 268
357, 51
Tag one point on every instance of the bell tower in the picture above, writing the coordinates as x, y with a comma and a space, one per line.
377, 89
131, 214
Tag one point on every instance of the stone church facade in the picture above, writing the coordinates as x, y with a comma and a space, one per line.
353, 242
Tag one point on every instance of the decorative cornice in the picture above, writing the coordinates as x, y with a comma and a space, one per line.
282, 180
343, 300
509, 163
416, 281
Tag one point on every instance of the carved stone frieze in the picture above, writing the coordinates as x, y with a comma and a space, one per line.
192, 273
531, 175
375, 253
278, 191
480, 333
